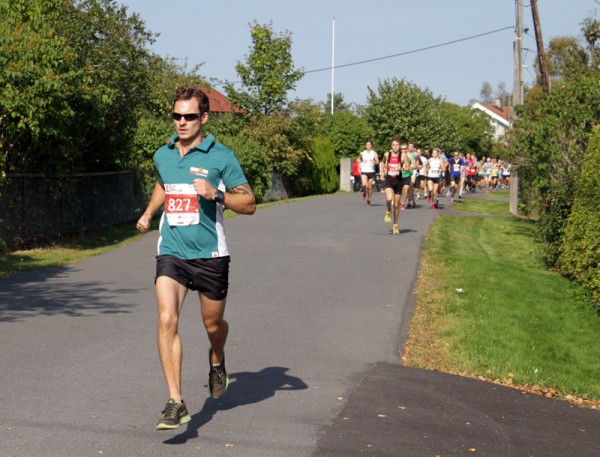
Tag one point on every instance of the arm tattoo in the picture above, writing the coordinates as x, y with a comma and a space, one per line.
243, 189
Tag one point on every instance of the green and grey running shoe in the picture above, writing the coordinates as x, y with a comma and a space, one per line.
174, 415
217, 377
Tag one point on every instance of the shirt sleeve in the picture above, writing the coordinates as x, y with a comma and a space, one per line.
233, 175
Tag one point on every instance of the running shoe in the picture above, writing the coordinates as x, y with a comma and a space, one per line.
364, 197
174, 415
414, 204
428, 199
395, 230
433, 206
387, 218
402, 207
217, 377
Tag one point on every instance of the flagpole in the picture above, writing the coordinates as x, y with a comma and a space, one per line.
332, 63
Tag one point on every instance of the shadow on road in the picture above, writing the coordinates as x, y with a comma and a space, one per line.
47, 292
245, 388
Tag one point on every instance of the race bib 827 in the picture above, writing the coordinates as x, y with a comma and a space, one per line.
181, 204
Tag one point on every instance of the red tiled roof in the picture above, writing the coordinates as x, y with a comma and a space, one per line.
503, 112
219, 103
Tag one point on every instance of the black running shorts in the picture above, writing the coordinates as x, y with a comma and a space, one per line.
208, 276
369, 175
393, 183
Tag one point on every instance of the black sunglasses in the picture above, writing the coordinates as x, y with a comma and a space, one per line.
189, 117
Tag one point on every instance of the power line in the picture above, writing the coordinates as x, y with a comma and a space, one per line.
427, 48
413, 51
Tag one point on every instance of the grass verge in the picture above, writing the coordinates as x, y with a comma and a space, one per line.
487, 309
482, 206
75, 250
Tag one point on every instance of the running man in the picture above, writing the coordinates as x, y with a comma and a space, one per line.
435, 165
392, 165
456, 166
197, 179
406, 174
368, 160
415, 163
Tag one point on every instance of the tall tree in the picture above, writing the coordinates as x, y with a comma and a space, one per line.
268, 73
338, 103
501, 93
400, 108
591, 32
71, 76
563, 53
485, 93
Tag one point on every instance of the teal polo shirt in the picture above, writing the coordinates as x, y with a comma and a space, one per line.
217, 164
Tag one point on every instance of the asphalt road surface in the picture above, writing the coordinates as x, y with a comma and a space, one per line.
319, 306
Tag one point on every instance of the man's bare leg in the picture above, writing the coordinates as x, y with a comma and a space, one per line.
170, 295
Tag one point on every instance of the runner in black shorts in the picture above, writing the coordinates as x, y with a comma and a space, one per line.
197, 179
207, 276
392, 166
368, 161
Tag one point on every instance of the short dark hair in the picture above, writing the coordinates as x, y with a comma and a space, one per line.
188, 93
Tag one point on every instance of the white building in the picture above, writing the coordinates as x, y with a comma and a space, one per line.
498, 115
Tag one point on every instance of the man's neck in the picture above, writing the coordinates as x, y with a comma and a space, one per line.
185, 145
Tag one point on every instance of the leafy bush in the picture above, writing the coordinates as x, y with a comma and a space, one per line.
548, 143
550, 226
276, 138
348, 133
580, 250
253, 161
318, 172
221, 124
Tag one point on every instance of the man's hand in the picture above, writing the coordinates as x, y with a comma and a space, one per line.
143, 223
204, 189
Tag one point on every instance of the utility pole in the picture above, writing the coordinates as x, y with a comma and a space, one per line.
517, 95
540, 48
517, 98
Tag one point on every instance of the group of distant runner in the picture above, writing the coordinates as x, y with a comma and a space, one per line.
408, 174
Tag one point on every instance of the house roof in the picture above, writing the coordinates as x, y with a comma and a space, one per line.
219, 103
501, 114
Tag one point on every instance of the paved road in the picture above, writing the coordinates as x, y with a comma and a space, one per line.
319, 306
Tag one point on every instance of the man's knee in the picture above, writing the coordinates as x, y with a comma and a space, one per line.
167, 321
215, 325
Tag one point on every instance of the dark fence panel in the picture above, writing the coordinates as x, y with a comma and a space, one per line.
37, 209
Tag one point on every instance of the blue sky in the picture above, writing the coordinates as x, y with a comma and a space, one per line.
217, 34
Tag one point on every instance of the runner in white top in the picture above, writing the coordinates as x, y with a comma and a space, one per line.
422, 178
368, 160
434, 171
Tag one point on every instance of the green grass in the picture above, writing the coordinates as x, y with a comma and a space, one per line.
514, 321
80, 248
482, 206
